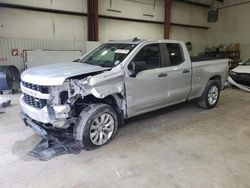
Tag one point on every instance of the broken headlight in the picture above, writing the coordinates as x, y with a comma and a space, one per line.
232, 73
64, 97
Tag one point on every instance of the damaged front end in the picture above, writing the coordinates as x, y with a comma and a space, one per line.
240, 79
52, 111
239, 85
54, 141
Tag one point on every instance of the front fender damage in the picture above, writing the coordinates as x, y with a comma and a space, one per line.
100, 86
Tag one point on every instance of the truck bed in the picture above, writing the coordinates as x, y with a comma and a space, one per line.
195, 59
203, 69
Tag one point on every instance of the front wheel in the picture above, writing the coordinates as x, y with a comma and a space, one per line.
211, 95
96, 126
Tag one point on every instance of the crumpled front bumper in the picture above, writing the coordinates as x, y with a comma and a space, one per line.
55, 115
53, 142
36, 128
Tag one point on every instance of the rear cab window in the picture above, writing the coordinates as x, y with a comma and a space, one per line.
174, 54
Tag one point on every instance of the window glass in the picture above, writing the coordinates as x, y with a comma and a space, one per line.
149, 57
246, 62
108, 55
175, 54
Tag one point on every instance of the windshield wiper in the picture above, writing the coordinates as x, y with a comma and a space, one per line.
104, 65
100, 65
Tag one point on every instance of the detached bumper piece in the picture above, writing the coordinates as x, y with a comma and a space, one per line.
52, 144
46, 149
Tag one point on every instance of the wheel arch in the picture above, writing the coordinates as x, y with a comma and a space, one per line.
216, 77
115, 100
206, 81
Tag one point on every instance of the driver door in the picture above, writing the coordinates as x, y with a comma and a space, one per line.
146, 87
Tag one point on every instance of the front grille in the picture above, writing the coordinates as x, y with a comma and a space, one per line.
243, 75
35, 102
42, 89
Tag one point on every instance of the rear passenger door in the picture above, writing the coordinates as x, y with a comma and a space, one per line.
178, 73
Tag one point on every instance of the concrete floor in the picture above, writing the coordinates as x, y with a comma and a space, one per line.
181, 146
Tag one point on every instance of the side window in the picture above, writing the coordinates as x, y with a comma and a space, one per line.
175, 54
149, 57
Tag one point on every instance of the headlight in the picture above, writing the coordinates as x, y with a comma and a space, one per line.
232, 73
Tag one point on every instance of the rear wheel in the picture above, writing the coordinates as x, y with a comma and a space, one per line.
211, 95
96, 126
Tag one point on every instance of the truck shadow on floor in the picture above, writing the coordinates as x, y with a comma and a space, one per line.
177, 117
186, 107
22, 147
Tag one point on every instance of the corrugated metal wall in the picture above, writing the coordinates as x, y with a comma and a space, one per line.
245, 51
6, 44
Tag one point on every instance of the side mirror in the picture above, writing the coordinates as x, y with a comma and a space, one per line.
135, 67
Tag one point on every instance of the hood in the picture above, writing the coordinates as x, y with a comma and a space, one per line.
242, 69
55, 74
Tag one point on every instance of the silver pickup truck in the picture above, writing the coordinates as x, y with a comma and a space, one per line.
90, 98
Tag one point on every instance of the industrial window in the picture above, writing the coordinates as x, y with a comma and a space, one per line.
175, 54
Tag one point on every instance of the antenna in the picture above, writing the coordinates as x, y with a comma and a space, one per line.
135, 39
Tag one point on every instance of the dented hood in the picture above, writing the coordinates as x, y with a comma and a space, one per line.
55, 74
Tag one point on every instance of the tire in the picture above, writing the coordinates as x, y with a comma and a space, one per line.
209, 100
91, 121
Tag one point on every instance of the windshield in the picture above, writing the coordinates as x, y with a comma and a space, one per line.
108, 55
246, 62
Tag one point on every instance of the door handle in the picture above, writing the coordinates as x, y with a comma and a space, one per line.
186, 71
162, 75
